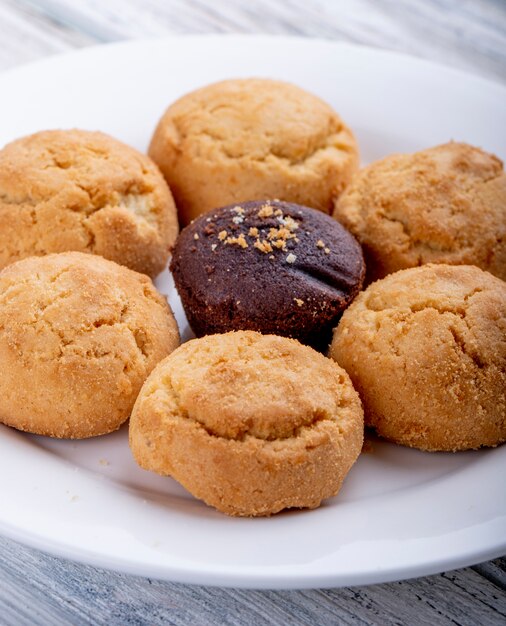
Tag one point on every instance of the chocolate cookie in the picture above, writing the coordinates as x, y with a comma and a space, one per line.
268, 266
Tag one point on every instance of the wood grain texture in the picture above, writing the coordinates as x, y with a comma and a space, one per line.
26, 35
37, 589
469, 34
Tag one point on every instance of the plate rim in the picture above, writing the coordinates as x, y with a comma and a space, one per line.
363, 48
228, 576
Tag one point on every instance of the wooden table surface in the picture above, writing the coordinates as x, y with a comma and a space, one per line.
39, 589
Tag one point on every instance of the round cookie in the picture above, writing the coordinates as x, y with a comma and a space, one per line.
78, 337
251, 424
268, 266
442, 205
253, 138
426, 350
66, 190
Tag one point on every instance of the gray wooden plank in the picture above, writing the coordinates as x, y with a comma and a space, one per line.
59, 592
38, 589
494, 571
27, 34
467, 34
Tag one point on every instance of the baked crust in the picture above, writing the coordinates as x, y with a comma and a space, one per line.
442, 205
249, 423
247, 139
78, 337
426, 351
77, 190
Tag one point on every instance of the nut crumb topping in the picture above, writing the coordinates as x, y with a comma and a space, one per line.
320, 243
280, 244
195, 236
265, 211
280, 233
276, 238
299, 301
290, 223
327, 251
238, 241
264, 246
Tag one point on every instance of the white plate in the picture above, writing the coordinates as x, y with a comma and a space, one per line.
401, 512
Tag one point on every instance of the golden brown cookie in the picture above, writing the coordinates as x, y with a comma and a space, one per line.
78, 190
78, 337
442, 205
251, 139
249, 423
426, 350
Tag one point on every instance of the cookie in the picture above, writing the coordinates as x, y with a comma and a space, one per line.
78, 337
442, 205
245, 139
77, 190
251, 424
426, 350
268, 266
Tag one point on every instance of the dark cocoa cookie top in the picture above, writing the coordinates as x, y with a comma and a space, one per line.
269, 266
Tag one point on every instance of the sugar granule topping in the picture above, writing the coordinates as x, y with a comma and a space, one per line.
238, 209
195, 236
320, 243
327, 250
291, 258
238, 219
213, 247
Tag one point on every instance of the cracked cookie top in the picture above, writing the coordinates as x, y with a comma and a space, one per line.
239, 140
268, 266
426, 350
442, 205
78, 190
250, 423
78, 337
